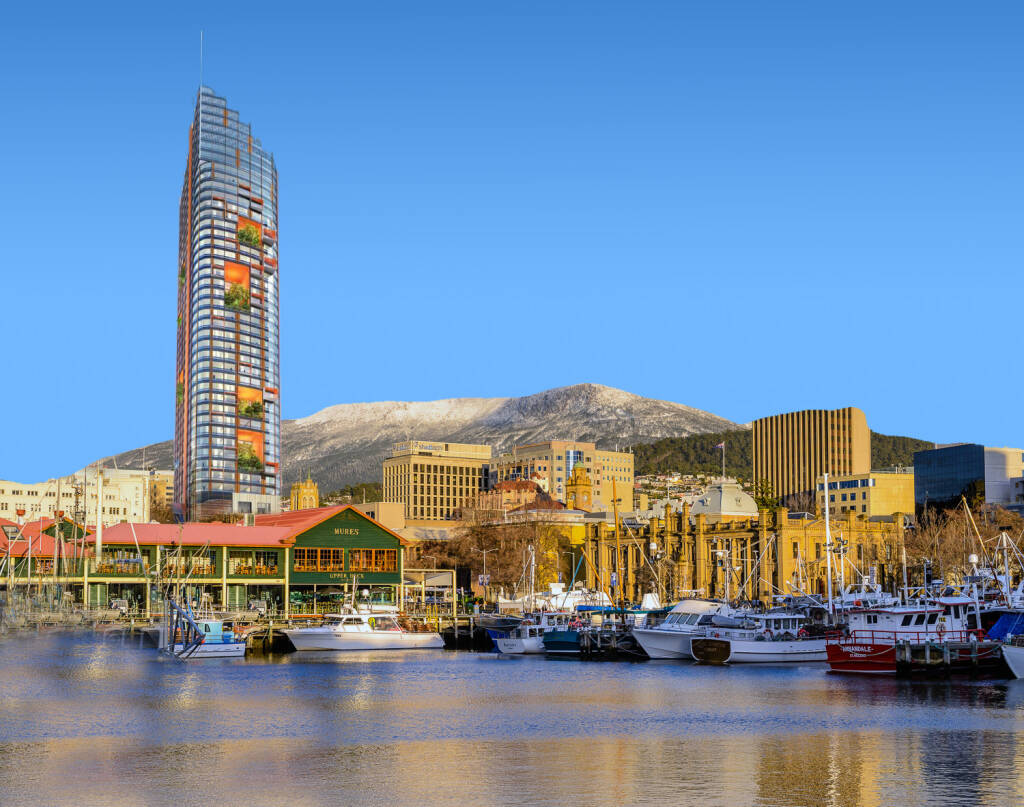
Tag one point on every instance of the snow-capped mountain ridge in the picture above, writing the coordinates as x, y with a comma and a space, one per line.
346, 443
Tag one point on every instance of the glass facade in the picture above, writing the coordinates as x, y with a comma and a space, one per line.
227, 436
943, 475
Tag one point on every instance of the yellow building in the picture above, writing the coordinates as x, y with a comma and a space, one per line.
579, 490
754, 559
305, 495
434, 481
878, 493
554, 461
793, 450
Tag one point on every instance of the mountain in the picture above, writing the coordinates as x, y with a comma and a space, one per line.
346, 443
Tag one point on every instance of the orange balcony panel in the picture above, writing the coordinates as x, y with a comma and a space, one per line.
236, 273
249, 394
256, 200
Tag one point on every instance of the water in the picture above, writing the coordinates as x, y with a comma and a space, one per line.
88, 722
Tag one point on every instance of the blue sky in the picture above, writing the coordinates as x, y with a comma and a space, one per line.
745, 207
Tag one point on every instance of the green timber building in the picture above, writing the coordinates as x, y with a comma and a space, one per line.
293, 563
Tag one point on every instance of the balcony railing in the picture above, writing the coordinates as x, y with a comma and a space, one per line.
122, 567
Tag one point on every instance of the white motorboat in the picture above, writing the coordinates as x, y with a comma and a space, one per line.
528, 636
216, 642
361, 631
773, 637
1013, 655
671, 638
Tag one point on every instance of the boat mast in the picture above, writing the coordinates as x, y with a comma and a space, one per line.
618, 546
828, 551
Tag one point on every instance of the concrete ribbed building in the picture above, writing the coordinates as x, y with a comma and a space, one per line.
792, 450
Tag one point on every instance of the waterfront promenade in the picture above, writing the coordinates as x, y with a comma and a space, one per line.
94, 722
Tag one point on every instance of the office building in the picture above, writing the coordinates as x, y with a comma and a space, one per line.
435, 480
551, 463
878, 493
792, 450
981, 474
227, 434
127, 495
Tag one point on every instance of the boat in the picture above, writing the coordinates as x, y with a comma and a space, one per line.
1013, 655
361, 631
773, 637
215, 642
528, 636
928, 637
689, 618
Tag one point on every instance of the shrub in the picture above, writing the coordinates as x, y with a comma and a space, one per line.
248, 460
237, 297
249, 235
179, 394
251, 409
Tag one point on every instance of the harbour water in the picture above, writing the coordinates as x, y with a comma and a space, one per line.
85, 721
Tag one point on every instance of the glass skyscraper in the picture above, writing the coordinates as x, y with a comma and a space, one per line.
227, 430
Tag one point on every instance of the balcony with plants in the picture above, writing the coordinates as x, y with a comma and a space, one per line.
248, 460
237, 297
249, 235
250, 409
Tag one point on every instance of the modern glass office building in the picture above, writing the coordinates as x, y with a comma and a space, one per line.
981, 474
227, 433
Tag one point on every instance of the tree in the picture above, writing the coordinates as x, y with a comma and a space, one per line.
764, 495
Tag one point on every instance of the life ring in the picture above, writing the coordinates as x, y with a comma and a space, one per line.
768, 633
802, 633
940, 629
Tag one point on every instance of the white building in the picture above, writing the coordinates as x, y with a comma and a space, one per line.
127, 495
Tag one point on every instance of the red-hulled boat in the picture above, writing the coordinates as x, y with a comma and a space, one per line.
938, 638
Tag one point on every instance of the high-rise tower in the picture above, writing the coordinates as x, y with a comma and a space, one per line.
227, 422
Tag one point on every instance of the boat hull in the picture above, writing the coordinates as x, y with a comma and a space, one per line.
314, 639
562, 643
742, 651
1013, 655
211, 650
664, 643
909, 659
515, 646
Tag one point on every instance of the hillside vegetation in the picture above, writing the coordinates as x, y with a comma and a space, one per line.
697, 453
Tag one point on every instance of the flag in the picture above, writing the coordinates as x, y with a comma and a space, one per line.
721, 445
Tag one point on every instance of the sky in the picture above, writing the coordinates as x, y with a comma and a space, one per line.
745, 207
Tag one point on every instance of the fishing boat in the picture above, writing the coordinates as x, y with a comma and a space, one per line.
689, 618
773, 637
361, 631
528, 636
929, 637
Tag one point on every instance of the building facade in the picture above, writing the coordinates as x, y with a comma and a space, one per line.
284, 562
227, 435
792, 450
878, 493
552, 464
305, 495
981, 474
127, 495
435, 480
777, 552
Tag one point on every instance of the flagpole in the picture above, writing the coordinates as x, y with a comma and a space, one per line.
723, 462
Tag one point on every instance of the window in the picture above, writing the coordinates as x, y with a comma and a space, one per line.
305, 560
796, 549
373, 560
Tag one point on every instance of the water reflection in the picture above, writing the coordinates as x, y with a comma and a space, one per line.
87, 722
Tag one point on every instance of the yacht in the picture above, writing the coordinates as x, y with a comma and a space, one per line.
361, 631
689, 618
770, 638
